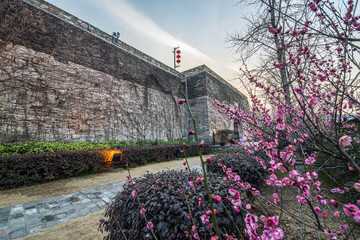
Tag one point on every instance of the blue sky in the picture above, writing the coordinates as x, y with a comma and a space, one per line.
199, 27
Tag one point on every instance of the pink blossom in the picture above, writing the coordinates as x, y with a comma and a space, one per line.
204, 219
216, 198
191, 132
325, 215
317, 209
313, 102
301, 200
143, 211
248, 206
336, 213
199, 180
276, 199
286, 180
334, 203
280, 126
234, 193
181, 101
191, 184
208, 160
350, 209
271, 222
278, 183
196, 236
357, 186
344, 227
332, 236
149, 225
133, 193
236, 202
310, 160
357, 217
201, 144
345, 141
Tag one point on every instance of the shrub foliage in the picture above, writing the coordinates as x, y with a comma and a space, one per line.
167, 208
28, 169
242, 164
136, 156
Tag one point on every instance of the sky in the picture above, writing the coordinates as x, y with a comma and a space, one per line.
199, 27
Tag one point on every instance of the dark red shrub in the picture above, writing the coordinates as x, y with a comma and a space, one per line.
166, 207
244, 165
19, 170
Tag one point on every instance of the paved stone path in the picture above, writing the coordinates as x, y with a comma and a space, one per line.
28, 218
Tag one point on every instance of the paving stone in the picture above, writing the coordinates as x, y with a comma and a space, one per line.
71, 211
16, 215
3, 233
33, 222
60, 216
3, 226
16, 209
86, 200
31, 211
30, 205
18, 233
35, 229
4, 211
48, 218
4, 218
51, 223
83, 212
95, 209
101, 204
56, 208
64, 204
17, 221
73, 199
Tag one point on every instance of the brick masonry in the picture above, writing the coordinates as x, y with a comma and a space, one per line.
62, 79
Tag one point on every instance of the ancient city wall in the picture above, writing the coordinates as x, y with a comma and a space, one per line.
205, 86
62, 79
58, 82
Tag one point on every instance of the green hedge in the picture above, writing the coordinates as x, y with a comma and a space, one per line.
8, 149
20, 170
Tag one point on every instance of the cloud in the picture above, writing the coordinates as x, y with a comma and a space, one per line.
125, 13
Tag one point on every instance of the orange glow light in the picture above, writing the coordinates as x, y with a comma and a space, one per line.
108, 154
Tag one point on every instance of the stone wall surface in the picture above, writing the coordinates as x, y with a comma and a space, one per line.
205, 86
44, 99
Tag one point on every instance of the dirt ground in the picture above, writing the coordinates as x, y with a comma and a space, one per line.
83, 227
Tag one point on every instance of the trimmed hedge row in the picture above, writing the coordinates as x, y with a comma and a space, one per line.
20, 170
136, 156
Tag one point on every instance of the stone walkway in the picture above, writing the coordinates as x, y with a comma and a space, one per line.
28, 218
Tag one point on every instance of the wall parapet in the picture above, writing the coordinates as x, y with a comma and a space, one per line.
204, 68
87, 27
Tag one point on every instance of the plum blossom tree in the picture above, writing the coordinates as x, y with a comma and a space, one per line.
316, 61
